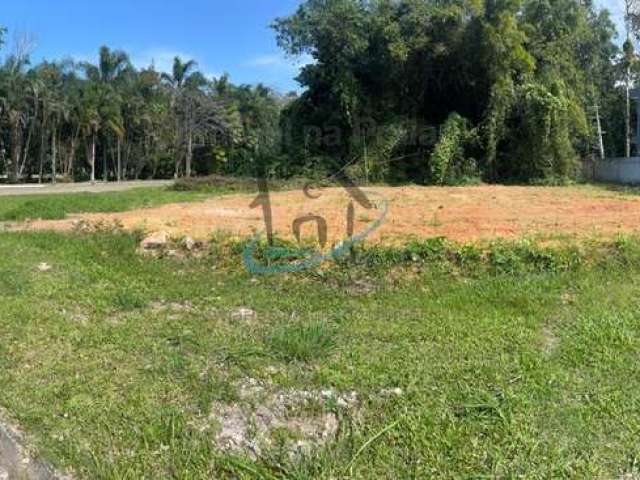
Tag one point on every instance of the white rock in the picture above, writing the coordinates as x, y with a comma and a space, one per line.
392, 392
44, 267
243, 313
327, 394
189, 243
155, 241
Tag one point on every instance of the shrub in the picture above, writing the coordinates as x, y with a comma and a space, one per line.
543, 125
214, 182
448, 163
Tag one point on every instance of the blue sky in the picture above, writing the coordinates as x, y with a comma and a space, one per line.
222, 35
616, 7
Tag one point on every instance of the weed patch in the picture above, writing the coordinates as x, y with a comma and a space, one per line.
302, 342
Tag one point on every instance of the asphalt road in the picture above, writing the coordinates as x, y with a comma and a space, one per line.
35, 189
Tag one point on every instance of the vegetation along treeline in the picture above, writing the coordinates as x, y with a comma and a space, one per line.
437, 92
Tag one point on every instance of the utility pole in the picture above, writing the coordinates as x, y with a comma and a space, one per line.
599, 127
627, 116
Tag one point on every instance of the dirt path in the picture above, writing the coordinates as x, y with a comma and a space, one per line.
461, 214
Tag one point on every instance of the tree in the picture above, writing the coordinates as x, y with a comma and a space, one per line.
392, 90
109, 74
14, 105
390, 73
184, 83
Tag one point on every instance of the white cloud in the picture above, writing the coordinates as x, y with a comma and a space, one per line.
275, 70
265, 61
278, 62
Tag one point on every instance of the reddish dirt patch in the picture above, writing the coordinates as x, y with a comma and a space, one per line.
461, 214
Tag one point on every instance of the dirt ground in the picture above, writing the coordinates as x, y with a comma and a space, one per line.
459, 213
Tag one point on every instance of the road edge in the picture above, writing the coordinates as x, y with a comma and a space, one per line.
18, 461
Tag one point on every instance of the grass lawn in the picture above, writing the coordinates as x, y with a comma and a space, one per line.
527, 368
58, 206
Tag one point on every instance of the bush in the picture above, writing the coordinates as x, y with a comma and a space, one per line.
543, 125
448, 163
214, 182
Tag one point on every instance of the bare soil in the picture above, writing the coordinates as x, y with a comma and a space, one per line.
462, 214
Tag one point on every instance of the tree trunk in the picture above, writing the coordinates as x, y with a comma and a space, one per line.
119, 155
54, 154
72, 153
43, 146
43, 152
125, 163
93, 157
176, 173
27, 145
105, 178
16, 145
189, 154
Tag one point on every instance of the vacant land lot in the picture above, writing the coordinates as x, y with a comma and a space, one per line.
460, 214
425, 360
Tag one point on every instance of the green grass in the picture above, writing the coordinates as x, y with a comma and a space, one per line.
58, 206
307, 341
521, 363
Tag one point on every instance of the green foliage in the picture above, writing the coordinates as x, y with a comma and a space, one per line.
110, 120
448, 162
226, 183
383, 77
514, 70
544, 126
215, 183
496, 258
58, 206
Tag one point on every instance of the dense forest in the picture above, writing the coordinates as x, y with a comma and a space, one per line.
426, 91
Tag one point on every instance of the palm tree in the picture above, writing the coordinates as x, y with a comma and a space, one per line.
180, 73
54, 108
112, 67
111, 116
182, 79
90, 121
14, 106
35, 89
73, 99
112, 64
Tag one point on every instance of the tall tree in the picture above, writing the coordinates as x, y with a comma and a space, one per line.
385, 73
184, 82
